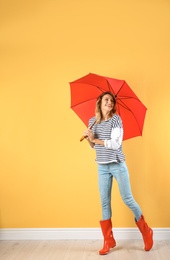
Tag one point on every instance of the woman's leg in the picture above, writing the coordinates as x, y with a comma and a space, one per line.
120, 172
105, 187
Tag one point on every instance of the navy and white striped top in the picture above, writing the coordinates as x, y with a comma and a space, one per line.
111, 132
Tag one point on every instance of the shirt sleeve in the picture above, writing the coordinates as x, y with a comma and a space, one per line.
116, 139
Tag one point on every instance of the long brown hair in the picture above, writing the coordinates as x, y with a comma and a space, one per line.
98, 106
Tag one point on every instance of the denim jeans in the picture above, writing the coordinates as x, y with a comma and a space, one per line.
106, 174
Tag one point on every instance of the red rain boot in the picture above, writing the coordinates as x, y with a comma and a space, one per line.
109, 241
147, 233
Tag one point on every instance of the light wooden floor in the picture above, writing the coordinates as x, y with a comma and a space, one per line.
81, 250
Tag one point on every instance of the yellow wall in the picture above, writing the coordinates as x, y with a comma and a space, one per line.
47, 177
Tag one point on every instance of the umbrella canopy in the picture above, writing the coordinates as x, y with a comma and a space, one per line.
85, 91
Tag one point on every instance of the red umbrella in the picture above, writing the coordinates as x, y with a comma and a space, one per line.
85, 90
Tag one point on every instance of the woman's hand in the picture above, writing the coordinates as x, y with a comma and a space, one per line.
89, 135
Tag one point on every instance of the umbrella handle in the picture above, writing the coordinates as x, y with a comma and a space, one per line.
84, 136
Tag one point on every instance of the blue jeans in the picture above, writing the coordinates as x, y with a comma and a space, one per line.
119, 171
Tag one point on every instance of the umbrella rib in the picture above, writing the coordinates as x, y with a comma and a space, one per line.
82, 102
120, 88
91, 98
126, 107
126, 97
110, 88
100, 88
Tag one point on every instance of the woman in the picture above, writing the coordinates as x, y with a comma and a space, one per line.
106, 137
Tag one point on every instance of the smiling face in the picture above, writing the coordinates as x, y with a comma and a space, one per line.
107, 104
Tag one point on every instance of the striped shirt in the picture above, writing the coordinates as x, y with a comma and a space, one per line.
111, 132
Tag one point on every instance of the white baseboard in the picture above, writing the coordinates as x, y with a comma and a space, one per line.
76, 233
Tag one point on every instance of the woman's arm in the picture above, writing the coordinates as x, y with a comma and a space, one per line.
116, 139
113, 143
90, 138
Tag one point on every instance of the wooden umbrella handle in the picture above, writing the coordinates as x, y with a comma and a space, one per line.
84, 136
